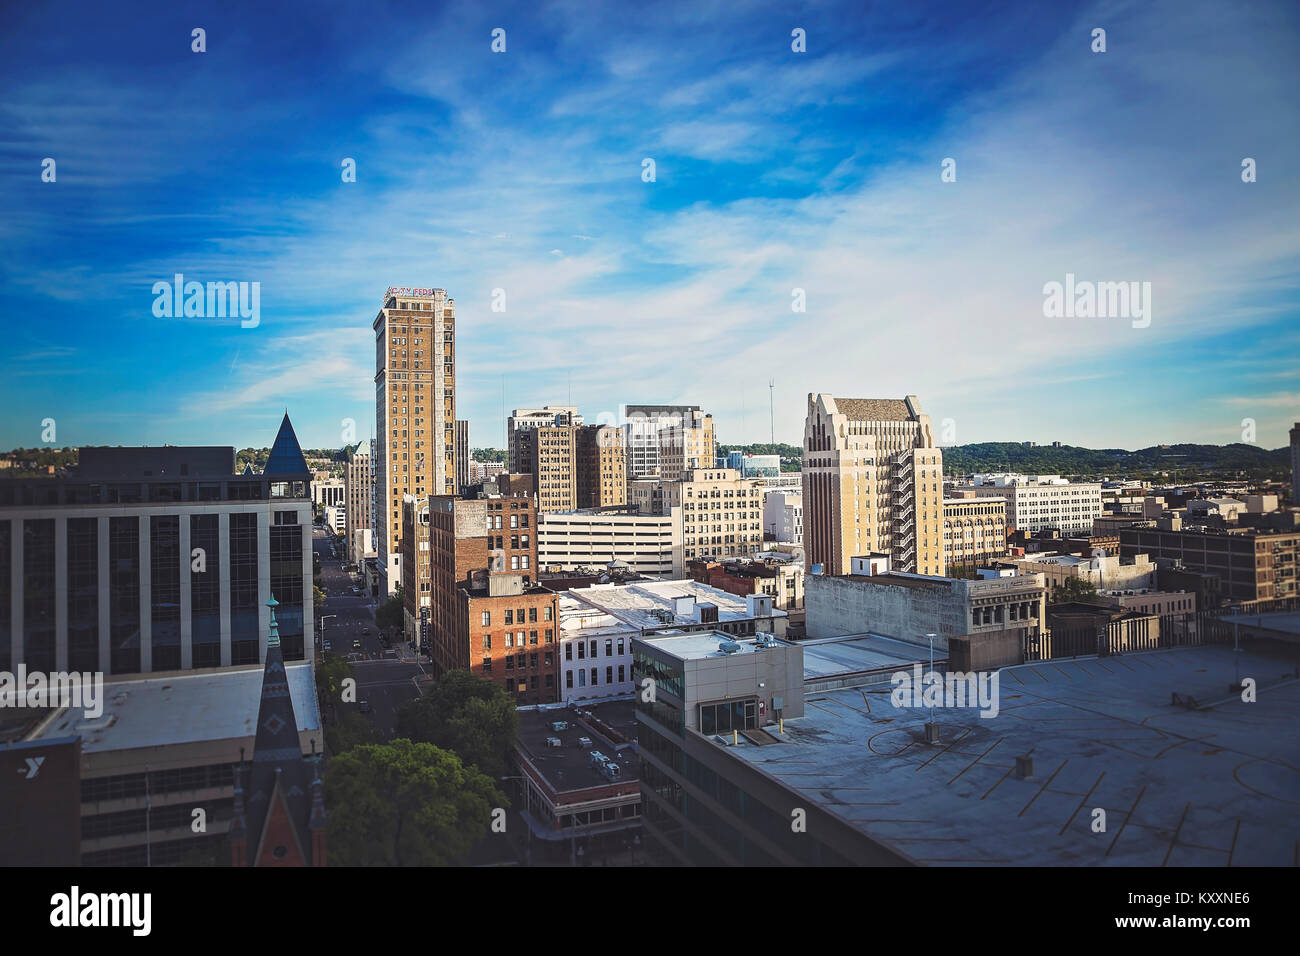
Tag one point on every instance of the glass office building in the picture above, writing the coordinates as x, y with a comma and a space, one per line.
143, 560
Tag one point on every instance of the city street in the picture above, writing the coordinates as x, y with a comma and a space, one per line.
386, 677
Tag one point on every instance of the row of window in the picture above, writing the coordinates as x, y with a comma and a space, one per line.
582, 676
583, 647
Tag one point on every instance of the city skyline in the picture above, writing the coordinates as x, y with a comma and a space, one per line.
776, 171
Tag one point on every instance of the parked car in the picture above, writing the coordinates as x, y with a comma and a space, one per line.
356, 642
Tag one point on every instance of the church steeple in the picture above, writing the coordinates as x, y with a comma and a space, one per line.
275, 814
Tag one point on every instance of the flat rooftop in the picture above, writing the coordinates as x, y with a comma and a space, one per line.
183, 708
1209, 787
698, 645
635, 603
568, 766
839, 656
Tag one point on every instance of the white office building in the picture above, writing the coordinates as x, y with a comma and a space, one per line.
783, 516
1035, 502
649, 544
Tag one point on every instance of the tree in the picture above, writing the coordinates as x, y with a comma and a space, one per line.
1077, 589
318, 600
406, 804
388, 616
467, 714
353, 730
331, 672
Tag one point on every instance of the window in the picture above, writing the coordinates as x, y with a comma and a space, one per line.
550, 680
582, 678
546, 613
620, 673
593, 650
510, 663
568, 679
514, 521
510, 639
582, 651
532, 660
487, 618
519, 638
593, 677
549, 636
620, 649
510, 616
487, 664
532, 615
532, 637
609, 675
568, 652
609, 647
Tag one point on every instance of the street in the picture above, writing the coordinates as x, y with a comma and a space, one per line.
386, 677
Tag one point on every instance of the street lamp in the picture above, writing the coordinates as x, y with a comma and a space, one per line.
323, 619
931, 728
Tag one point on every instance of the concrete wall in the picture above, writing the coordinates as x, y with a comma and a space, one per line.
985, 652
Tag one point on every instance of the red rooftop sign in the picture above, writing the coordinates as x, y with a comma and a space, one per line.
402, 290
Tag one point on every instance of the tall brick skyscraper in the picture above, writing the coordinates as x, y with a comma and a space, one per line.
872, 483
415, 411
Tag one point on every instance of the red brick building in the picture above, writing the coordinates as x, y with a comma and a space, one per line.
510, 636
488, 615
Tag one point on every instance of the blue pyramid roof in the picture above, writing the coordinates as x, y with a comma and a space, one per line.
286, 454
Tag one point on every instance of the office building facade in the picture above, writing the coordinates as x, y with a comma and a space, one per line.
156, 559
872, 482
415, 412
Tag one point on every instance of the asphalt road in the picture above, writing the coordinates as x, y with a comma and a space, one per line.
386, 677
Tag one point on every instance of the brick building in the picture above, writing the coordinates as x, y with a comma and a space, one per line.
508, 630
487, 612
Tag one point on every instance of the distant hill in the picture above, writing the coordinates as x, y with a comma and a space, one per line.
1205, 460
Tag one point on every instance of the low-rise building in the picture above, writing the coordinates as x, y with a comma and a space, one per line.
1253, 565
1102, 571
1042, 501
974, 533
782, 580
581, 796
873, 599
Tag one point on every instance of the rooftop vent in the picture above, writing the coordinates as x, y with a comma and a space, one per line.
728, 647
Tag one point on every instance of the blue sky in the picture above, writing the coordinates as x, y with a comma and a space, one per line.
775, 170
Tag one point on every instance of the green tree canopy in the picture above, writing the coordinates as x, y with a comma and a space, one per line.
388, 616
1077, 589
406, 804
352, 730
467, 714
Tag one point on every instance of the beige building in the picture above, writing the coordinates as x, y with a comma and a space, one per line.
574, 466
1106, 572
547, 453
602, 466
415, 412
359, 481
974, 532
522, 420
722, 513
686, 446
872, 482
417, 594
